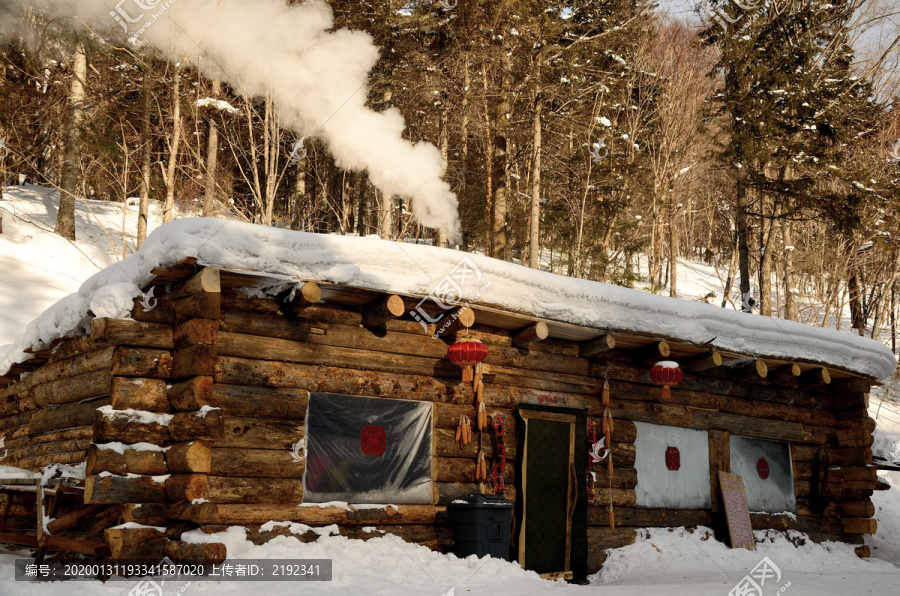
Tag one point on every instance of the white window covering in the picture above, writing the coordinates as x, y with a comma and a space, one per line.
657, 485
775, 493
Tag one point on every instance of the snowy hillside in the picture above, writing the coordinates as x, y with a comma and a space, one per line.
39, 267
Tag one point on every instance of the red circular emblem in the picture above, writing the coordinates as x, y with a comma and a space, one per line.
762, 468
372, 440
673, 458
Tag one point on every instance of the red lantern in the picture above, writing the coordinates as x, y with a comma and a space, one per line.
667, 374
467, 353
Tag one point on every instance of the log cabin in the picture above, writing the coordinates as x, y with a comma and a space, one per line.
232, 374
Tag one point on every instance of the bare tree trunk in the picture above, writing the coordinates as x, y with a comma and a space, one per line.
489, 166
385, 229
271, 142
534, 236
212, 154
743, 249
174, 147
857, 317
65, 219
445, 154
765, 268
673, 253
730, 279
299, 196
790, 305
146, 157
362, 205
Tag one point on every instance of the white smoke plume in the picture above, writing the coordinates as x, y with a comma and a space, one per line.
317, 77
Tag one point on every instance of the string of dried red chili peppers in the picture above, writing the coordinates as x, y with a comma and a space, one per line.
499, 467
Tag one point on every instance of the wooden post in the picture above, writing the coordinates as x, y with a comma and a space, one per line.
533, 333
382, 311
651, 353
604, 343
703, 362
308, 294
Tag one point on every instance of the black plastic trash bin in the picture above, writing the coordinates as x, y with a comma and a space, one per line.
481, 526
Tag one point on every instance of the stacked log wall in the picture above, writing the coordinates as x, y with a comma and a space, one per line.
239, 371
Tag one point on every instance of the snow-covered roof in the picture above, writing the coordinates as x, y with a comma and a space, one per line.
420, 270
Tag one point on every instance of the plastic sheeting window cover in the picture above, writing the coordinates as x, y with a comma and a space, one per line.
672, 465
367, 450
768, 475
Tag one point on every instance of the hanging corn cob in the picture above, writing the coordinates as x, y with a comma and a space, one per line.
464, 431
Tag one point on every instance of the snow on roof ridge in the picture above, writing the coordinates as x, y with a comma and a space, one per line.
417, 269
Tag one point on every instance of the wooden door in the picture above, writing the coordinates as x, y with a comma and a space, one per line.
549, 492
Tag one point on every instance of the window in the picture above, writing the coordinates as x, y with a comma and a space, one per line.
367, 450
672, 466
768, 475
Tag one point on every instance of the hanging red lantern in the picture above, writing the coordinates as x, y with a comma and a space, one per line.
667, 374
466, 353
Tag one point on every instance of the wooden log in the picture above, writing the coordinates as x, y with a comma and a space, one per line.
205, 305
651, 353
859, 525
237, 301
854, 437
131, 426
190, 457
816, 377
163, 311
311, 514
204, 424
71, 519
462, 469
148, 514
217, 489
141, 362
351, 317
131, 393
72, 347
196, 331
101, 458
186, 487
531, 334
382, 310
59, 447
787, 374
209, 553
192, 394
207, 280
136, 544
81, 432
601, 345
121, 489
63, 416
857, 509
750, 370
74, 544
703, 362
193, 361
862, 474
265, 324
19, 539
458, 320
863, 552
250, 401
801, 523
622, 477
445, 445
263, 463
71, 389
306, 295
260, 433
640, 517
621, 497
96, 359
126, 332
39, 462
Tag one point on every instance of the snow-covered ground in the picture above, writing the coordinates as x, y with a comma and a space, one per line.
39, 268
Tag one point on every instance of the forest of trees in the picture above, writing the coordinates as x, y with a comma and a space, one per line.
600, 139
